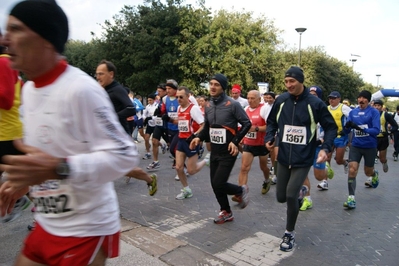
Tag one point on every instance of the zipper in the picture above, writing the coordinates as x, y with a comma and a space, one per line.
292, 123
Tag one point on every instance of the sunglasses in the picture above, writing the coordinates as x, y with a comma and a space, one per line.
180, 97
333, 98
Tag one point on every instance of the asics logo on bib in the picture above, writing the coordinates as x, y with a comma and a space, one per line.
294, 131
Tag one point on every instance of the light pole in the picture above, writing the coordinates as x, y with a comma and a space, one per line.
353, 60
300, 31
378, 79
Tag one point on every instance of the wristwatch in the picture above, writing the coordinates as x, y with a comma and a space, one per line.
256, 128
63, 170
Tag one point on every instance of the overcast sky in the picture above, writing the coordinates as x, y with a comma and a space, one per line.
363, 27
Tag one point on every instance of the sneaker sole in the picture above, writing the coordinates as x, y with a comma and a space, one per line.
224, 221
185, 197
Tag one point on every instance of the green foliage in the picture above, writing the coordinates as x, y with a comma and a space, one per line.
158, 40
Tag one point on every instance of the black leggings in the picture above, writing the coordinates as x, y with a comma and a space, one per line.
289, 183
221, 166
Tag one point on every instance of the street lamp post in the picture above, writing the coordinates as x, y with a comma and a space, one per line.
353, 60
300, 31
378, 79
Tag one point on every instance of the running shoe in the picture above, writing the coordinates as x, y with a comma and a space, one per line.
323, 185
153, 187
164, 147
375, 181
201, 152
185, 172
244, 197
266, 187
147, 156
236, 198
385, 167
272, 170
273, 180
153, 166
346, 167
136, 141
350, 203
306, 204
20, 205
330, 171
395, 156
368, 183
288, 242
184, 194
223, 217
207, 159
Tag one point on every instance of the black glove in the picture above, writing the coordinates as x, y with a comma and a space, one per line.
350, 124
165, 118
189, 139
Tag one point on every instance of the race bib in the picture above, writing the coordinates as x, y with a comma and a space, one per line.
294, 135
54, 198
172, 115
158, 121
218, 135
251, 135
360, 133
184, 126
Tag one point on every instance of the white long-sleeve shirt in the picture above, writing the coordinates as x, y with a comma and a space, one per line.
73, 118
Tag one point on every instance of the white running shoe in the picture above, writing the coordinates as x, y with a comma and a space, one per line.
323, 185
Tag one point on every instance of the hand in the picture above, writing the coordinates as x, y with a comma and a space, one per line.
146, 120
189, 139
194, 143
321, 157
233, 149
8, 196
31, 169
270, 145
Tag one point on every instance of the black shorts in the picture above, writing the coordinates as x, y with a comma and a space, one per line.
382, 143
183, 146
256, 150
160, 132
149, 130
7, 148
356, 154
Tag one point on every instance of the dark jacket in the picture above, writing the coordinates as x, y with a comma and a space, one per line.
303, 111
122, 104
224, 112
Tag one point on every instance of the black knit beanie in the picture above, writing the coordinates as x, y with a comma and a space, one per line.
221, 79
46, 18
296, 73
365, 94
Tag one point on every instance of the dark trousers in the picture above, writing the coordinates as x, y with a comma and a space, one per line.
289, 183
221, 166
